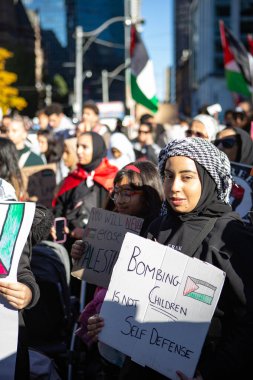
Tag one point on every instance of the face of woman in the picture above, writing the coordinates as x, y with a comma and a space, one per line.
43, 144
68, 157
227, 142
198, 129
182, 184
116, 153
128, 200
84, 149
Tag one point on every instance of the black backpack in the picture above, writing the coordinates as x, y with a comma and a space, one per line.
48, 323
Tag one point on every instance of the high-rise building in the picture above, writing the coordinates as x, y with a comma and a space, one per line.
106, 52
205, 77
182, 55
53, 42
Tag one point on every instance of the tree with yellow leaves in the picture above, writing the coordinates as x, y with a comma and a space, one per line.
9, 98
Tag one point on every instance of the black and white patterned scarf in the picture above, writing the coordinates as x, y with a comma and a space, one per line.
215, 162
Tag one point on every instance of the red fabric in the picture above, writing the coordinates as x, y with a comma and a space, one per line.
132, 40
104, 175
227, 53
250, 43
237, 191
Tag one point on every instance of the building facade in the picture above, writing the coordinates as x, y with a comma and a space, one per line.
107, 50
205, 67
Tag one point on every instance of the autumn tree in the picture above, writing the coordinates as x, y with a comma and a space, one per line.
9, 98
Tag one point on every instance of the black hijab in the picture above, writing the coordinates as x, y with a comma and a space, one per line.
99, 151
245, 148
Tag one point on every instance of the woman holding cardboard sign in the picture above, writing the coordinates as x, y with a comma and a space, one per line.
198, 221
137, 191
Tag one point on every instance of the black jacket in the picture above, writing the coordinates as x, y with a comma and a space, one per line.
227, 350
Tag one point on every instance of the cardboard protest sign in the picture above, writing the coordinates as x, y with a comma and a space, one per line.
103, 237
40, 182
241, 197
159, 305
15, 223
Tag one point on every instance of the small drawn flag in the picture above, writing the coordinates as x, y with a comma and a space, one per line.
199, 290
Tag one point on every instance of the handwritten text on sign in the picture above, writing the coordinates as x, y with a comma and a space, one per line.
159, 305
103, 238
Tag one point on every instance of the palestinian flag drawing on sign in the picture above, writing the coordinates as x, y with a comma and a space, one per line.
238, 63
143, 87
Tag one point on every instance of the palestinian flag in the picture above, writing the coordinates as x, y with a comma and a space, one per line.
250, 43
238, 63
143, 87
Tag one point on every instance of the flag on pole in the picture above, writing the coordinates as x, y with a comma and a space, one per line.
250, 43
238, 63
143, 89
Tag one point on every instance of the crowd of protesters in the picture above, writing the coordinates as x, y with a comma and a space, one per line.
98, 166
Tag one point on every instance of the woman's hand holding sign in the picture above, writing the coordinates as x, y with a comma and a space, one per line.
94, 326
77, 250
17, 294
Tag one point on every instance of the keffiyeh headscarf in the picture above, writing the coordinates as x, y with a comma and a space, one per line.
215, 162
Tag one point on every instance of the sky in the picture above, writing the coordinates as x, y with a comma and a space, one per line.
156, 32
158, 38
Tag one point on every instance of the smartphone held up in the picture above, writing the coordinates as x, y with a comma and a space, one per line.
59, 225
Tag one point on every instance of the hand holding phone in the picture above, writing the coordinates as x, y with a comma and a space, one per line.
60, 226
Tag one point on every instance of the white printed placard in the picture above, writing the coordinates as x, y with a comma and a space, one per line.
159, 305
241, 196
103, 238
15, 223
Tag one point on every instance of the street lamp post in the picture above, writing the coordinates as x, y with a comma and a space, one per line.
78, 82
81, 49
106, 75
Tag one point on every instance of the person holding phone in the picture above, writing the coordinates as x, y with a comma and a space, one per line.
137, 191
60, 225
85, 187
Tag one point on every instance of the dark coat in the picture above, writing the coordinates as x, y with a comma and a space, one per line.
228, 347
24, 275
43, 219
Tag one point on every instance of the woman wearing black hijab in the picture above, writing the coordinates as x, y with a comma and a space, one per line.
86, 187
237, 145
199, 222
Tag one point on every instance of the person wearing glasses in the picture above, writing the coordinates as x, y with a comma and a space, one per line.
85, 187
203, 126
237, 145
137, 191
144, 145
